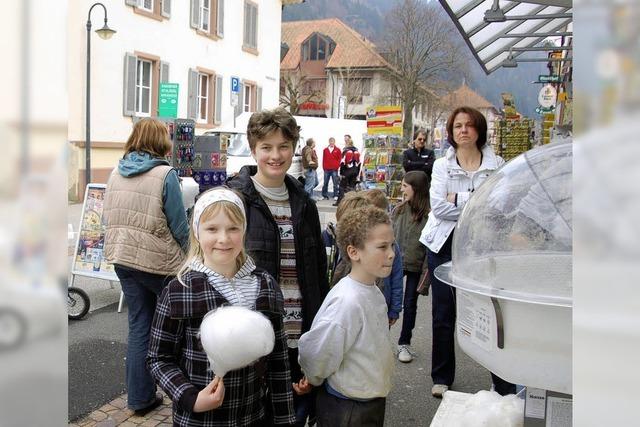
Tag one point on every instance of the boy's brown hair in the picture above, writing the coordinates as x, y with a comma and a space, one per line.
149, 136
377, 198
354, 226
264, 123
350, 201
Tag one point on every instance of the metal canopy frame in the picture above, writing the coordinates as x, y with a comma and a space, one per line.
526, 24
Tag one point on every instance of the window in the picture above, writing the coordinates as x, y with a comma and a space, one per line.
203, 98
250, 39
142, 76
156, 9
147, 5
143, 88
356, 88
317, 48
207, 17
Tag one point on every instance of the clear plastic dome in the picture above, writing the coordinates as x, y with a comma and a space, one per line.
514, 238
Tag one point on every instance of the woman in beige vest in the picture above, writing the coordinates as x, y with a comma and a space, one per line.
147, 234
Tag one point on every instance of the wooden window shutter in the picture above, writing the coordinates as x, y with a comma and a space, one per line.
259, 98
192, 99
165, 9
129, 84
218, 108
164, 72
195, 13
240, 107
220, 18
254, 27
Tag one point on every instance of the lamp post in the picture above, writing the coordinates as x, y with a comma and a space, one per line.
105, 33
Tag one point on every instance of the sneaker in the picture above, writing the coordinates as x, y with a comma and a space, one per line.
335, 198
438, 390
335, 204
404, 354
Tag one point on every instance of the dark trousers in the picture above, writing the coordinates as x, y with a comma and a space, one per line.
333, 175
410, 307
348, 181
141, 291
336, 412
443, 313
304, 405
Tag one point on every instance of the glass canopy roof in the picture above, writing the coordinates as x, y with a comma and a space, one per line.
510, 26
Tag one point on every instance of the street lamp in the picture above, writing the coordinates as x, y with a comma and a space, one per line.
105, 33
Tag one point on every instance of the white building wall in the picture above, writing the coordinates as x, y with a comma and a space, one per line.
173, 41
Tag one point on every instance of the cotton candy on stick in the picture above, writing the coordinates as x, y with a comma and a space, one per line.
234, 337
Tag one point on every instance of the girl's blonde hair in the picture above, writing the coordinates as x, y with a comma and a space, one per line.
195, 251
149, 136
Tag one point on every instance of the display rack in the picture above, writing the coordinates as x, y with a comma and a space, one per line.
513, 137
210, 160
382, 164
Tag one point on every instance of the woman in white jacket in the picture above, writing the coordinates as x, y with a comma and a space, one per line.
466, 165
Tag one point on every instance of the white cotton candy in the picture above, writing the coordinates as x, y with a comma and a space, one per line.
489, 409
234, 337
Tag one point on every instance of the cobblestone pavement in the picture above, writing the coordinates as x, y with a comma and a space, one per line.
116, 413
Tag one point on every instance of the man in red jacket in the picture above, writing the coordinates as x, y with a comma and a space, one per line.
331, 157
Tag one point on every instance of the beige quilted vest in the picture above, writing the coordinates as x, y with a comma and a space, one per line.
138, 235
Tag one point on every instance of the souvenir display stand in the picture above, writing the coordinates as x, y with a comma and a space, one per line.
382, 164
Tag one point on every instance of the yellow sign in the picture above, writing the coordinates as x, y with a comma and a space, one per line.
385, 120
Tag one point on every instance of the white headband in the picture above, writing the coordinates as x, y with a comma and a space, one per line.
211, 197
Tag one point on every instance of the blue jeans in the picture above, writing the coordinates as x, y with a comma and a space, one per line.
443, 312
410, 307
333, 174
141, 291
311, 181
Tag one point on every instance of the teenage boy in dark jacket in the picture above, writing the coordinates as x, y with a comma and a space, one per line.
283, 232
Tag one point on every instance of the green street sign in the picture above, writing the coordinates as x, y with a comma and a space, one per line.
168, 100
542, 110
548, 79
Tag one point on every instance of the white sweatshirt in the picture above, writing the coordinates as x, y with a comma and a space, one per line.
349, 342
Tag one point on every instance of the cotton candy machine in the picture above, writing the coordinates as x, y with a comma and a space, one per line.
512, 267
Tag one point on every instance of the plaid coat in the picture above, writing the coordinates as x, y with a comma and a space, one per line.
180, 366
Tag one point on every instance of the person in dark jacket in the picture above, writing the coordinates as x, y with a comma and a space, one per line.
283, 232
419, 158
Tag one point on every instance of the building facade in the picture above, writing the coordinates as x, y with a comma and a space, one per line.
198, 44
328, 69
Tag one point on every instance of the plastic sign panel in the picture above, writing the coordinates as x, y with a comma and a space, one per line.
235, 85
547, 96
168, 100
88, 256
384, 119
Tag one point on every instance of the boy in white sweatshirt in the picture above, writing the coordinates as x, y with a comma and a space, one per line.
348, 351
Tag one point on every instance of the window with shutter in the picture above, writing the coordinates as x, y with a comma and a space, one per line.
164, 71
155, 9
166, 8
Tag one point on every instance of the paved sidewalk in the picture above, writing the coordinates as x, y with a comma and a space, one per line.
116, 413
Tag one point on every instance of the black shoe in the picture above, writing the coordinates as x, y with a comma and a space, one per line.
325, 198
151, 407
335, 204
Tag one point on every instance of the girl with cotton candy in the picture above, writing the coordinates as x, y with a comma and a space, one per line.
214, 320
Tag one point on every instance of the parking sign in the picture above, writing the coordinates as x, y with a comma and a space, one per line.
235, 85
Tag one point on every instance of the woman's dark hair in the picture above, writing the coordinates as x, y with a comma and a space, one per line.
478, 120
419, 204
